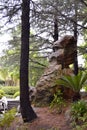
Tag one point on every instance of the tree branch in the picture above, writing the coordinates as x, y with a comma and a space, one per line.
37, 62
84, 2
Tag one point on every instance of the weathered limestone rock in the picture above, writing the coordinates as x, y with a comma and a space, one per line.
59, 61
64, 51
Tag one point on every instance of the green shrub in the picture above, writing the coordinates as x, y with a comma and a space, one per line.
58, 102
74, 82
85, 87
16, 94
79, 114
2, 93
10, 90
78, 109
7, 118
9, 96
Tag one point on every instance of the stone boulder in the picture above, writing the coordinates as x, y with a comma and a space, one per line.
32, 93
64, 51
59, 61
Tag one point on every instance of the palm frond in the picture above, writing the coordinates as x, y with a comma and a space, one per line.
75, 82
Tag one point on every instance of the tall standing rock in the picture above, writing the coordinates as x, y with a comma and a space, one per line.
59, 61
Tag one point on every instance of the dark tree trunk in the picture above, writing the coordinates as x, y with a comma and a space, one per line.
76, 97
75, 54
76, 37
76, 62
26, 110
55, 29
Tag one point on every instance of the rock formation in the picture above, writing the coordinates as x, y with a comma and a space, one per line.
62, 56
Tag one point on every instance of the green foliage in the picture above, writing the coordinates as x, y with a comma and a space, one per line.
11, 58
38, 63
2, 93
7, 73
74, 82
8, 118
4, 73
79, 127
9, 96
58, 102
79, 115
16, 94
78, 109
10, 90
85, 87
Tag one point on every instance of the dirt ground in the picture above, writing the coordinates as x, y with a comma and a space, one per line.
47, 120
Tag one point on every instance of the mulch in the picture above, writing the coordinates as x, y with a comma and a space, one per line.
47, 120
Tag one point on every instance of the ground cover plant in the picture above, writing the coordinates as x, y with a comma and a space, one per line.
79, 115
7, 118
74, 82
58, 102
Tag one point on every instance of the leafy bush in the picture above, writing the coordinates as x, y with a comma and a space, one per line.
7, 118
78, 109
85, 87
2, 93
9, 96
10, 90
74, 82
58, 101
16, 94
79, 114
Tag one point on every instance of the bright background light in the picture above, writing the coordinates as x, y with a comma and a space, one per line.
4, 42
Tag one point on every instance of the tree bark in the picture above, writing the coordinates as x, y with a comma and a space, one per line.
55, 29
76, 96
76, 37
26, 110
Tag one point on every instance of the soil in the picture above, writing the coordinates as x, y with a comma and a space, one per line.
47, 120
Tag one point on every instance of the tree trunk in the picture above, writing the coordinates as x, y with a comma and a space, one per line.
26, 110
76, 97
55, 29
76, 37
